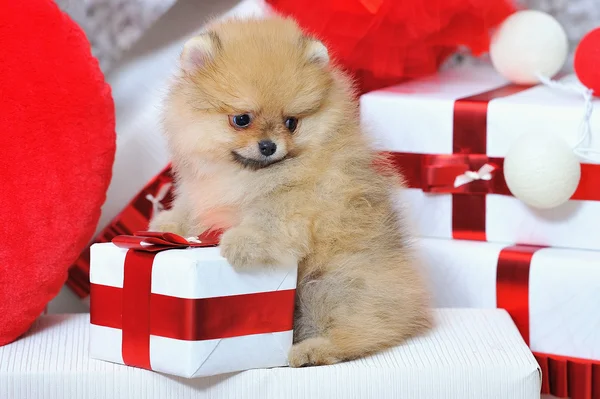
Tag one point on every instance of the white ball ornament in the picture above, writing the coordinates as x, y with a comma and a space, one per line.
542, 170
528, 43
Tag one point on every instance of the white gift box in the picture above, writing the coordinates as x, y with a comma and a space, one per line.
471, 354
419, 117
553, 295
196, 316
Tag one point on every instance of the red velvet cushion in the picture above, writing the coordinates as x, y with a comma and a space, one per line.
56, 153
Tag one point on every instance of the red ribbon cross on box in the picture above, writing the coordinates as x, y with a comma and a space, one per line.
436, 173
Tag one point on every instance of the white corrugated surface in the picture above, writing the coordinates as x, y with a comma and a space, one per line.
472, 353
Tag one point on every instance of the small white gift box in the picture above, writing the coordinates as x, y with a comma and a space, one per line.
186, 311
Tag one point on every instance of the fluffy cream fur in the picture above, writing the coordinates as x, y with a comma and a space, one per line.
318, 201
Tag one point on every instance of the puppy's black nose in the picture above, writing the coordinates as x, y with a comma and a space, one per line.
267, 147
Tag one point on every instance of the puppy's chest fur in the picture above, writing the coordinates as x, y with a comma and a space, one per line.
216, 201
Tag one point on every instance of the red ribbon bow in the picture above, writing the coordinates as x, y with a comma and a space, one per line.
150, 241
440, 172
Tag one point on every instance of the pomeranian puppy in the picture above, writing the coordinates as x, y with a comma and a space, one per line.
266, 143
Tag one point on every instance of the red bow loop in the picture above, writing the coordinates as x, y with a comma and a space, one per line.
151, 241
439, 173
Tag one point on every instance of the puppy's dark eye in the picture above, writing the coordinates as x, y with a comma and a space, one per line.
291, 124
240, 121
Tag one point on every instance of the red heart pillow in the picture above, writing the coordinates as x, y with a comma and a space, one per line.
57, 145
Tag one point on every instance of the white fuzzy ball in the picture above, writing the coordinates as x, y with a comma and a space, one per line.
542, 170
526, 43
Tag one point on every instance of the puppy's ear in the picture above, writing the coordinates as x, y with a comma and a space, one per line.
198, 51
315, 51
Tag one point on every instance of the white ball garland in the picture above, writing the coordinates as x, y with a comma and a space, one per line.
542, 170
527, 44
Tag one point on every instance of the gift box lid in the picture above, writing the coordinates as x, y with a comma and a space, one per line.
418, 116
471, 353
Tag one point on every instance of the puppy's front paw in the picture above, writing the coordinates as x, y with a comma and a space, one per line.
166, 222
313, 352
243, 247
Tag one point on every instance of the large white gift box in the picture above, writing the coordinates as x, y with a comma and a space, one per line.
471, 354
186, 311
552, 294
442, 127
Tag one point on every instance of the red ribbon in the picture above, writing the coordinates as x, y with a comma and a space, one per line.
436, 173
150, 241
562, 376
470, 137
512, 284
135, 308
567, 377
140, 313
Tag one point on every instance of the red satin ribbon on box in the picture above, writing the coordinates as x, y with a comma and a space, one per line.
470, 137
512, 284
568, 377
140, 313
436, 173
563, 377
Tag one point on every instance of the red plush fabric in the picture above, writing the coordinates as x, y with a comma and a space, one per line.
56, 153
383, 42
